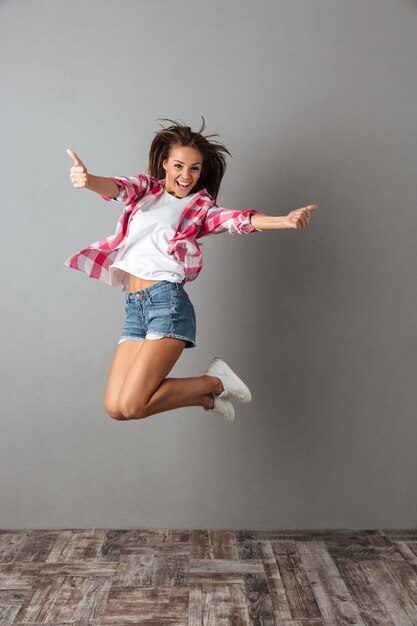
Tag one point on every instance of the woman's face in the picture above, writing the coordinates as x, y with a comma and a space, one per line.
183, 165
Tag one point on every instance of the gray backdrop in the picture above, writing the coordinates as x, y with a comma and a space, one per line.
317, 103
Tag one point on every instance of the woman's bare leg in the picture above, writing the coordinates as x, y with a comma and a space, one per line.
146, 390
122, 362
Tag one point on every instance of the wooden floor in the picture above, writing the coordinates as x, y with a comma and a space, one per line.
208, 577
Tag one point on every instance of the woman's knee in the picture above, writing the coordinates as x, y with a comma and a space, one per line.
113, 411
131, 410
123, 407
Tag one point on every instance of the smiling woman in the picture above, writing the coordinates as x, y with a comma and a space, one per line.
182, 170
152, 254
182, 155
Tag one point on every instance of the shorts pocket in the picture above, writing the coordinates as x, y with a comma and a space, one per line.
162, 300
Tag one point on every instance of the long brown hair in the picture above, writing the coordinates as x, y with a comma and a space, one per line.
214, 161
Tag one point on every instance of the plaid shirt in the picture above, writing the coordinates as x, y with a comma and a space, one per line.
200, 217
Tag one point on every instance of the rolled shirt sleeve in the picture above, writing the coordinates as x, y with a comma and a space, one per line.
132, 188
219, 220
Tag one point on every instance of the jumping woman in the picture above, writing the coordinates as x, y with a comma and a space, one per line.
150, 257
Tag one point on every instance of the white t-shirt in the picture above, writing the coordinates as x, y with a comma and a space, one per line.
144, 252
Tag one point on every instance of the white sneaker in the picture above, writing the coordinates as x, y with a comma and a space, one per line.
223, 407
234, 387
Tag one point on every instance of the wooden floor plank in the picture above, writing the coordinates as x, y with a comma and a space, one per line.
299, 592
218, 604
408, 550
258, 599
151, 603
279, 601
333, 597
10, 543
363, 594
392, 597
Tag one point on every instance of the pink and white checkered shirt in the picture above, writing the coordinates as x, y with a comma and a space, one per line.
201, 216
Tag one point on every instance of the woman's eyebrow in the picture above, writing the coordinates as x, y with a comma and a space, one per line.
196, 163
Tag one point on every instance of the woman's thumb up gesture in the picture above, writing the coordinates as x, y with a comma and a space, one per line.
78, 172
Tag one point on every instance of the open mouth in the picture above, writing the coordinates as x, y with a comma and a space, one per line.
181, 186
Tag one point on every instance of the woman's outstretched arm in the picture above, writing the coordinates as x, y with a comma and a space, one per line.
82, 179
296, 219
220, 219
124, 189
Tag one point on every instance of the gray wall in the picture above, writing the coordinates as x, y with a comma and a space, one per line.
317, 103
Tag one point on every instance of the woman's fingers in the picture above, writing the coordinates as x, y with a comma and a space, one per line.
73, 155
301, 217
305, 215
79, 179
78, 172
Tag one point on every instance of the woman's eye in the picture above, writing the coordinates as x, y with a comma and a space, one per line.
178, 165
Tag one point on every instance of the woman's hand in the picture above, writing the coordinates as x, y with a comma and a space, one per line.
78, 173
300, 217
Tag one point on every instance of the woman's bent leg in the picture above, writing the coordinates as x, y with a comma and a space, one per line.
146, 390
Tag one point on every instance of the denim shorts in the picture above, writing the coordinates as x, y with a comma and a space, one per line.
161, 310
